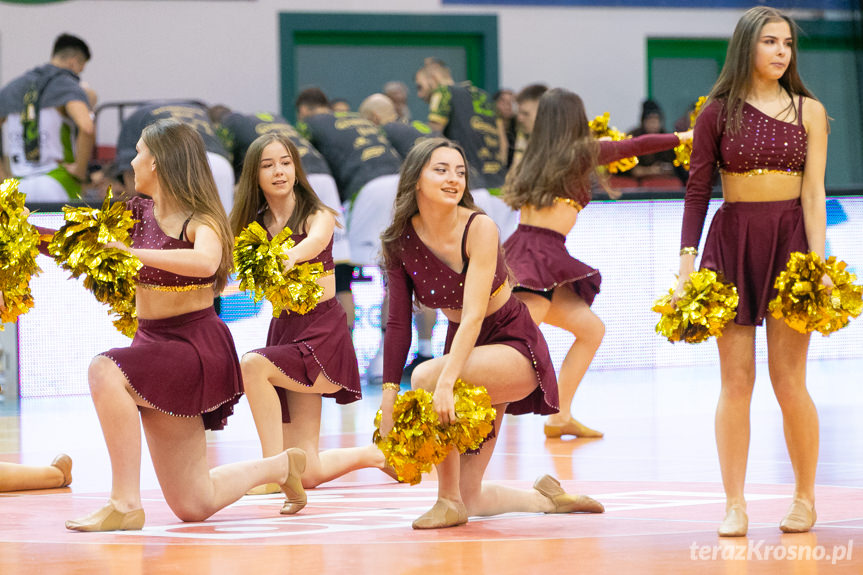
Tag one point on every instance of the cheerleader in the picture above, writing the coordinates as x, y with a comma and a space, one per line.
551, 185
306, 356
443, 251
768, 136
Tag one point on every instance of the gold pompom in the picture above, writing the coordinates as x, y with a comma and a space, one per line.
418, 440
600, 129
19, 246
110, 273
708, 303
807, 304
261, 270
683, 151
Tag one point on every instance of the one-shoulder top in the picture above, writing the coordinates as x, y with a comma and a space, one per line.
764, 145
147, 234
435, 284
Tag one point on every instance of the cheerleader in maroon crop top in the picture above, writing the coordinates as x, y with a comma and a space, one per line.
550, 186
306, 356
181, 374
445, 254
767, 136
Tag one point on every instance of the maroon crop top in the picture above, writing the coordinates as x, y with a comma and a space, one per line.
764, 145
435, 284
146, 234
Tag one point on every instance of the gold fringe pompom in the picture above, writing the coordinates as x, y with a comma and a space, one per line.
599, 129
806, 304
19, 246
683, 151
261, 270
418, 440
110, 273
708, 303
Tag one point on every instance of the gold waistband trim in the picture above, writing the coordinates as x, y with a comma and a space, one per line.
569, 202
497, 291
760, 172
193, 287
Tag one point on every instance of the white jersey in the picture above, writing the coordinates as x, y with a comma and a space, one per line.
56, 140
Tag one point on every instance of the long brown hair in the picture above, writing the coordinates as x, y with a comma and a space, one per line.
249, 200
405, 205
735, 79
560, 157
186, 180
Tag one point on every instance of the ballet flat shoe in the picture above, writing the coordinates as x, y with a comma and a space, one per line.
64, 463
571, 427
293, 486
109, 519
564, 502
444, 513
265, 489
736, 522
799, 519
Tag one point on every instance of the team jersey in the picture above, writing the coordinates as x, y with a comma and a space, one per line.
238, 131
355, 150
469, 118
403, 136
186, 112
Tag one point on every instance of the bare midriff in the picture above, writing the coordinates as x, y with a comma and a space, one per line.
495, 302
763, 187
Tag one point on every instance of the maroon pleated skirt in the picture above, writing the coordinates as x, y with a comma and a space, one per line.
305, 346
750, 243
512, 325
184, 365
540, 262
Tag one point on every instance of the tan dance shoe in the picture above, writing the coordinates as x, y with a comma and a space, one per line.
564, 502
64, 463
265, 489
736, 522
799, 519
571, 427
293, 486
444, 513
109, 519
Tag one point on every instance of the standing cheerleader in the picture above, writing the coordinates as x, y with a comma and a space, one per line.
181, 374
768, 136
307, 356
445, 252
551, 185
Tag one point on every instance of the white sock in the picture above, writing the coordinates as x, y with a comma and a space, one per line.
425, 347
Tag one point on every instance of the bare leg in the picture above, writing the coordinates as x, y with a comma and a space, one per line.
570, 312
117, 407
17, 477
737, 365
787, 351
260, 379
304, 432
508, 376
192, 490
